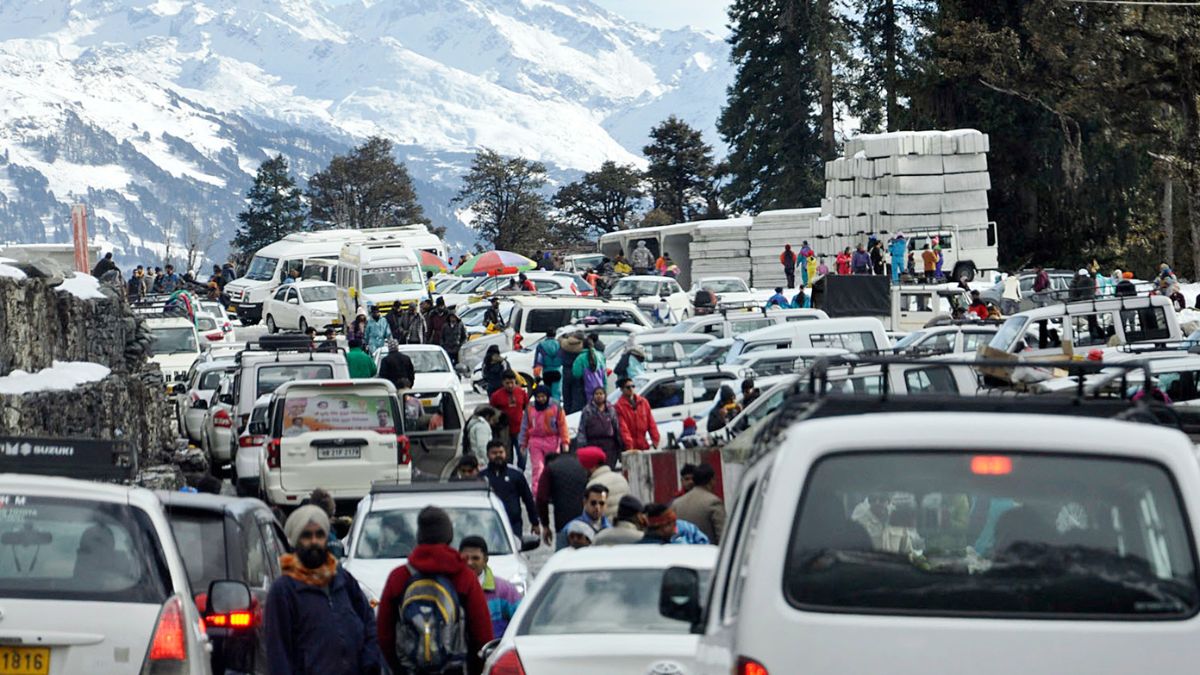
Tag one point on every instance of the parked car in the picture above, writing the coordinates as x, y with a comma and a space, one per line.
662, 350
236, 539
249, 459
914, 306
302, 304
217, 432
864, 334
174, 346
731, 292
1014, 293
784, 361
211, 328
958, 338
587, 601
730, 324
265, 365
93, 581
385, 530
203, 380
649, 292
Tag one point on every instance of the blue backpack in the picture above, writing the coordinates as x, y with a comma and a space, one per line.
431, 630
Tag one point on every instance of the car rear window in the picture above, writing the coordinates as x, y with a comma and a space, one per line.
338, 410
75, 549
200, 536
997, 535
211, 379
270, 377
620, 601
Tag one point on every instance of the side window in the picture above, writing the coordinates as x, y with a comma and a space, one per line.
1148, 323
971, 341
665, 394
739, 327
942, 343
739, 568
545, 321
706, 387
274, 543
1092, 330
281, 294
933, 380
258, 570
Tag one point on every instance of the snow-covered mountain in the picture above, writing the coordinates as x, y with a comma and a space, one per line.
157, 112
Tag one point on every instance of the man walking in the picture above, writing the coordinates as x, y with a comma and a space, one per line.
636, 418
595, 501
642, 258
405, 630
898, 249
788, 260
512, 401
563, 484
502, 597
510, 486
397, 368
701, 507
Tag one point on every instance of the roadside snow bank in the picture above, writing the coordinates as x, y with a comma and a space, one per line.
82, 286
10, 271
63, 375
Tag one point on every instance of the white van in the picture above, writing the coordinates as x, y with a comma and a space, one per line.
262, 368
734, 323
339, 435
1076, 327
377, 274
858, 335
272, 263
1056, 544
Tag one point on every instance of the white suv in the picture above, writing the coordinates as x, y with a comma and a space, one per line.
174, 346
92, 582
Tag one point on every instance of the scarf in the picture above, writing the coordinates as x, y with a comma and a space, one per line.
322, 576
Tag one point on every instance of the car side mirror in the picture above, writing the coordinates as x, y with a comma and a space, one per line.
530, 542
679, 595
200, 404
178, 389
227, 596
227, 399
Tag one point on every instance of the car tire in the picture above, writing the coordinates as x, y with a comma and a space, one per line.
303, 325
271, 327
964, 271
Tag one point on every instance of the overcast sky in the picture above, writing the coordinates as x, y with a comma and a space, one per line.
706, 14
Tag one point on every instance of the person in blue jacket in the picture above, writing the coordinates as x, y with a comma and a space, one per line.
778, 300
378, 331
899, 250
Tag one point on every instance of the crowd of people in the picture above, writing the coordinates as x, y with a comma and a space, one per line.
147, 280
897, 255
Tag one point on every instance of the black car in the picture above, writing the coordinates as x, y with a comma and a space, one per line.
229, 538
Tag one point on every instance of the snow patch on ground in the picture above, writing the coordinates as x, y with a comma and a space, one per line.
10, 271
82, 286
63, 375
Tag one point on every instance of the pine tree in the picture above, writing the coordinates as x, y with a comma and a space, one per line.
769, 121
275, 208
502, 194
602, 201
889, 38
681, 170
364, 189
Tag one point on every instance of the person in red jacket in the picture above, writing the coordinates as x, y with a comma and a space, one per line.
512, 401
433, 556
636, 419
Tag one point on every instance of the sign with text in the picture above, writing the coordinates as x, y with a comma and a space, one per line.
68, 458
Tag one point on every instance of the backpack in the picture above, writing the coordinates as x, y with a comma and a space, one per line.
431, 634
593, 379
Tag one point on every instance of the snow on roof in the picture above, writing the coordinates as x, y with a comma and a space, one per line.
61, 376
10, 271
82, 286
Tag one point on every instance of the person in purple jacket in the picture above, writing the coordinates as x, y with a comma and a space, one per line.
502, 597
860, 262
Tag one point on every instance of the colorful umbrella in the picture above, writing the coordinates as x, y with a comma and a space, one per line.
431, 263
495, 262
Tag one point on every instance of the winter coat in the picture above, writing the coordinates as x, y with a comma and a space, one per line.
617, 487
861, 262
412, 328
313, 630
547, 359
622, 532
393, 323
593, 361
511, 488
136, 288
513, 405
637, 421
377, 334
1082, 288
441, 560
544, 429
843, 263
396, 366
561, 539
877, 259
788, 259
601, 429
493, 374
898, 249
493, 316
563, 483
105, 265
434, 325
502, 600
355, 332
454, 336
360, 364
572, 387
479, 434
700, 506
642, 257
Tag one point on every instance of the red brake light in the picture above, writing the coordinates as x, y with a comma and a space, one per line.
273, 454
509, 663
222, 419
991, 465
215, 337
748, 666
169, 643
241, 619
517, 340
403, 447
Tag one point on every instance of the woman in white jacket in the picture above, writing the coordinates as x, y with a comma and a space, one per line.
479, 431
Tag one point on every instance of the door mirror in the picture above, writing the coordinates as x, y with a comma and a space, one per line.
530, 542
227, 399
179, 389
679, 595
226, 596
200, 404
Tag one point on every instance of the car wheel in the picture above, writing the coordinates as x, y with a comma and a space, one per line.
964, 271
303, 325
271, 327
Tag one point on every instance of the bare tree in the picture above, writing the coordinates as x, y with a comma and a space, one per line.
198, 237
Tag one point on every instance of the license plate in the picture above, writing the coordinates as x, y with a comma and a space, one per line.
24, 660
339, 453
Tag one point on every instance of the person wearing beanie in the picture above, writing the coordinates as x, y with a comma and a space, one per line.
593, 460
579, 535
629, 526
317, 602
433, 556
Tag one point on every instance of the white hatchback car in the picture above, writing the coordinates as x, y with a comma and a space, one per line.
298, 305
92, 582
650, 291
594, 611
385, 530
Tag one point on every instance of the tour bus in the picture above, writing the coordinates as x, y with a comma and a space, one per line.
379, 274
274, 262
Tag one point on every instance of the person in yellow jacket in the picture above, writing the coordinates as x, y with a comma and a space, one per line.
811, 265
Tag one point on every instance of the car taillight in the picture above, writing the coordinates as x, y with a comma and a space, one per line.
403, 449
222, 419
169, 642
214, 337
748, 666
249, 441
231, 620
509, 663
273, 453
517, 340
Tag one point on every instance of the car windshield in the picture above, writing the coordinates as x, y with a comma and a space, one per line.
1009, 333
991, 534
602, 602
474, 315
262, 269
392, 533
176, 340
720, 286
392, 279
79, 550
632, 288
200, 536
709, 352
428, 361
270, 377
318, 294
309, 411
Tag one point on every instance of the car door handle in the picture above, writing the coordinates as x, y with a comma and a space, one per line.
676, 414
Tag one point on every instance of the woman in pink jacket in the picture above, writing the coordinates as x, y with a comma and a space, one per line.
543, 431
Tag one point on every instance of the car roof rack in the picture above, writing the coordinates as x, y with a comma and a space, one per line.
84, 459
1187, 346
385, 487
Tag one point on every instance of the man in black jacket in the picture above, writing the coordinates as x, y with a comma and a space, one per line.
509, 484
562, 484
397, 368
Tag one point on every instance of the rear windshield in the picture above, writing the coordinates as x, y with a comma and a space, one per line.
338, 411
74, 549
605, 602
270, 377
200, 536
1034, 535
